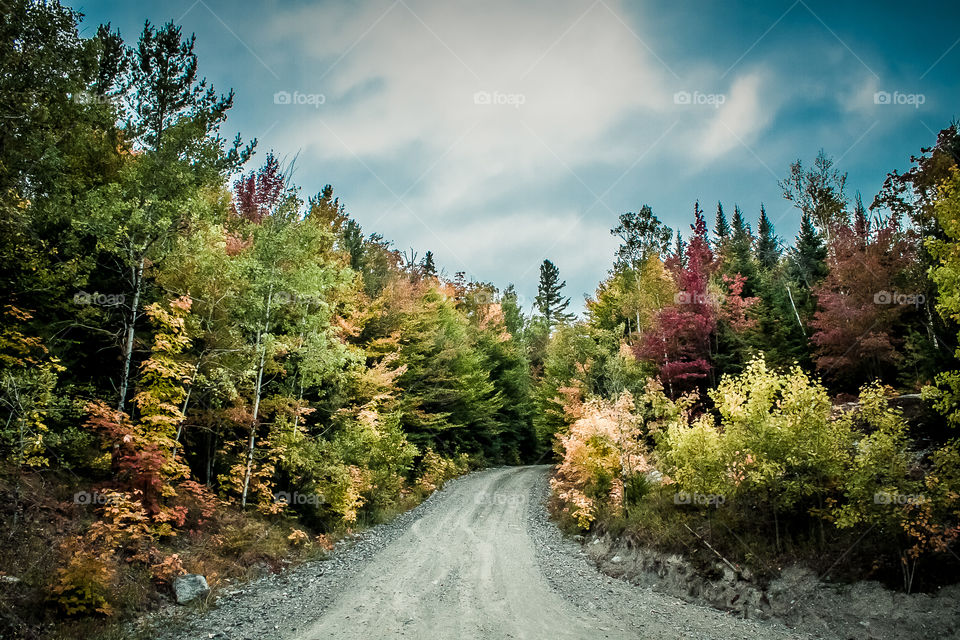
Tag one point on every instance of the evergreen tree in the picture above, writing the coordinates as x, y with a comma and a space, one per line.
549, 301
509, 373
721, 231
861, 223
678, 258
427, 265
768, 245
788, 295
512, 312
449, 402
351, 239
326, 209
739, 258
808, 256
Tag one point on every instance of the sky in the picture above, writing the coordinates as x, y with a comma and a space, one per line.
500, 133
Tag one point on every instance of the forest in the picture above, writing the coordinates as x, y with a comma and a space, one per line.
204, 370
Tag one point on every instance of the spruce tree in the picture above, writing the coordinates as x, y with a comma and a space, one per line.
512, 312
721, 229
351, 240
549, 302
768, 245
739, 258
807, 259
679, 256
861, 222
427, 265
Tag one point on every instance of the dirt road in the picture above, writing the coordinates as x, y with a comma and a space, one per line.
470, 570
479, 559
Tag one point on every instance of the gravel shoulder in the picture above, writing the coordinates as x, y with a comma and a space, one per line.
479, 559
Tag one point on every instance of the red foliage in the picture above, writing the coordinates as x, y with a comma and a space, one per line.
735, 307
863, 295
140, 466
679, 341
257, 193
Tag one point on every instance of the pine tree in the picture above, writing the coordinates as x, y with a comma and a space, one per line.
549, 301
168, 89
512, 312
739, 258
784, 306
351, 240
807, 259
721, 231
790, 296
768, 245
427, 265
740, 228
678, 259
861, 223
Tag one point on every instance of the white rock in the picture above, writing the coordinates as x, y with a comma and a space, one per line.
190, 587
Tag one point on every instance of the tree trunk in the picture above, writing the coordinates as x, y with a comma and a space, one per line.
795, 312
183, 412
131, 329
255, 422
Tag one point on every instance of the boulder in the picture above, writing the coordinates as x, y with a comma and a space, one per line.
190, 587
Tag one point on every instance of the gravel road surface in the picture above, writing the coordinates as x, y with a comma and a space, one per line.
479, 559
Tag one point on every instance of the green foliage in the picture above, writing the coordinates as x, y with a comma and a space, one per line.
582, 362
775, 443
946, 275
642, 237
550, 303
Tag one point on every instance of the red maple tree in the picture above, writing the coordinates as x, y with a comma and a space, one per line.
864, 294
679, 341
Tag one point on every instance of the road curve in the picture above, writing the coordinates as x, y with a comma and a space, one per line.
470, 568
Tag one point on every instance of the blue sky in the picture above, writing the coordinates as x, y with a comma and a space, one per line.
497, 134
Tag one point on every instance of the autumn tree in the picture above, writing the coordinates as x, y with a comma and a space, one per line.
913, 195
865, 292
679, 343
175, 151
946, 275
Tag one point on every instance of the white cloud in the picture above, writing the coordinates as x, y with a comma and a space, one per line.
741, 118
578, 73
582, 100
